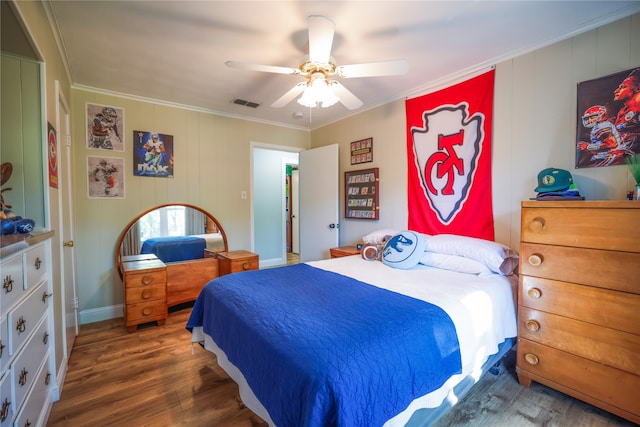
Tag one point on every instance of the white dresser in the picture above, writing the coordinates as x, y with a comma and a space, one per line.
25, 331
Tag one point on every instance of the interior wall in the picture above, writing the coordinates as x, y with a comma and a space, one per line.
212, 169
534, 128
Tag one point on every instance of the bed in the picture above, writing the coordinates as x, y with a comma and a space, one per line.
353, 342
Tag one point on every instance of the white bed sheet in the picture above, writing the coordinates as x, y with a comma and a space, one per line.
213, 240
481, 307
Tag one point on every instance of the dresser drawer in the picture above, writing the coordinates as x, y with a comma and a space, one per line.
24, 368
146, 311
586, 379
146, 278
4, 344
25, 317
136, 294
36, 402
583, 226
617, 310
605, 345
606, 269
6, 401
12, 282
36, 265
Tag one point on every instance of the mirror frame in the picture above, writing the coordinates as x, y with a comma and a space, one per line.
134, 220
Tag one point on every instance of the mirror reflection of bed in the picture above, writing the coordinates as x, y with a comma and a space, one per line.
184, 237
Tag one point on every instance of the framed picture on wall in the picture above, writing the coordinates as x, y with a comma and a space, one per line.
608, 126
362, 151
152, 154
361, 194
105, 127
105, 177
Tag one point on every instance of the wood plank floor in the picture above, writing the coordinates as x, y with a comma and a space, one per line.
151, 378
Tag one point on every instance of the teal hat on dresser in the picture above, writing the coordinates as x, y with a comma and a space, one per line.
553, 179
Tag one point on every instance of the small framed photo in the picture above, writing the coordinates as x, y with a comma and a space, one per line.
105, 177
362, 151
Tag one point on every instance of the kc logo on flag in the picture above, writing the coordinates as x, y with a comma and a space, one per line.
449, 153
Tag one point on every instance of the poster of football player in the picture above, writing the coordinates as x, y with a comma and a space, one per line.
105, 127
608, 129
105, 177
152, 154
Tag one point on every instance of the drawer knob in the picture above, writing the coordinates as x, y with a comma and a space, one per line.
147, 311
4, 412
21, 325
534, 293
47, 378
23, 377
146, 280
146, 294
8, 284
531, 358
38, 263
45, 295
535, 259
533, 325
536, 224
245, 266
45, 338
1, 348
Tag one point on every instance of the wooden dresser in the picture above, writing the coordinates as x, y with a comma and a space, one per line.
145, 290
579, 301
236, 261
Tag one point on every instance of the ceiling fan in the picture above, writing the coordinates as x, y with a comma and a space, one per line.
319, 68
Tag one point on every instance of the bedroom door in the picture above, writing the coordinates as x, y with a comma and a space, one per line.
318, 202
65, 168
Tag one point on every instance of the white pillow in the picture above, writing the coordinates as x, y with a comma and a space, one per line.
499, 258
404, 250
454, 263
378, 237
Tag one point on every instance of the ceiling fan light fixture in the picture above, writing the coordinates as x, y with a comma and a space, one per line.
318, 93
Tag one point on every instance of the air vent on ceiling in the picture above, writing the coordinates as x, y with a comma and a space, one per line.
246, 103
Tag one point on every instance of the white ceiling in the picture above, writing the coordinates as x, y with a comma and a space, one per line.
174, 51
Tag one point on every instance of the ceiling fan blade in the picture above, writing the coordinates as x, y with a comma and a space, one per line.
321, 31
288, 97
259, 67
374, 69
347, 99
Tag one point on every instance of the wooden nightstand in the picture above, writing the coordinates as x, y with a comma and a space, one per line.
145, 291
236, 261
344, 251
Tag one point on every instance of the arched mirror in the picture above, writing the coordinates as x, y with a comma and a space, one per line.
165, 221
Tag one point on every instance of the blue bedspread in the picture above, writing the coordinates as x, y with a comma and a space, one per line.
175, 248
322, 349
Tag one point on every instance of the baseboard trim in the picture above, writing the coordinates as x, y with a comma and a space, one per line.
101, 313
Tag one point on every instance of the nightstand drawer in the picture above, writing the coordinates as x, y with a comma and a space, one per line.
599, 343
605, 269
617, 310
237, 261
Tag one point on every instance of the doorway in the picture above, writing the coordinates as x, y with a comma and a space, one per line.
273, 196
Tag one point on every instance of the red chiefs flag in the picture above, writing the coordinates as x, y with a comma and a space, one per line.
449, 153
